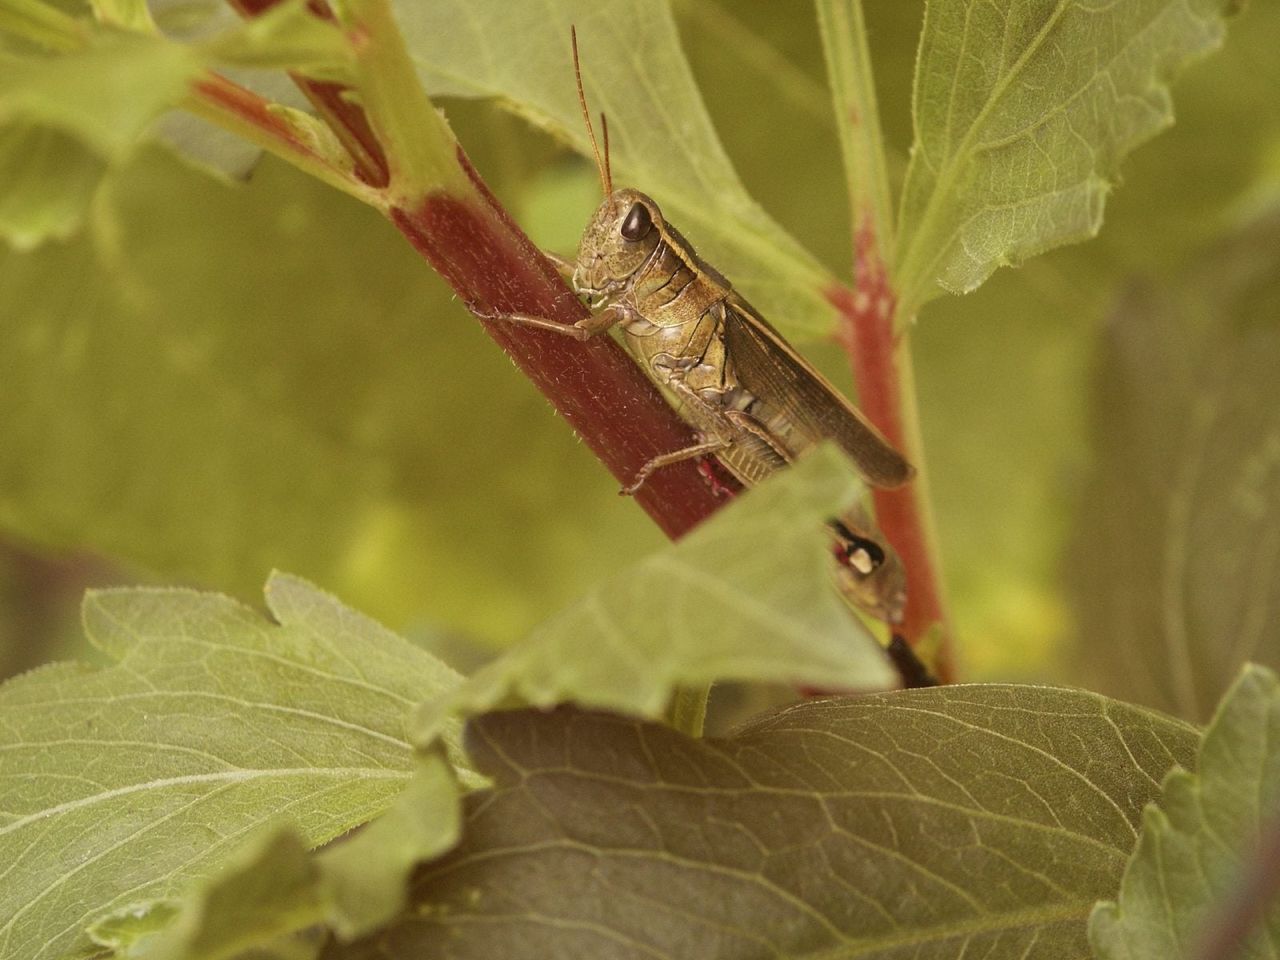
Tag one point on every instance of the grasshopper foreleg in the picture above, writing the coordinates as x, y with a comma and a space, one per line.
584, 329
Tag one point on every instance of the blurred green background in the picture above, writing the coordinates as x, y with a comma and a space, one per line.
215, 379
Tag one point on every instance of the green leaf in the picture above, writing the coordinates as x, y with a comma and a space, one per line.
122, 784
64, 119
1023, 112
661, 138
746, 596
49, 181
271, 377
974, 821
1014, 361
1178, 541
89, 108
271, 898
1200, 838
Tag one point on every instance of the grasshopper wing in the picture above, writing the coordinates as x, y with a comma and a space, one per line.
770, 368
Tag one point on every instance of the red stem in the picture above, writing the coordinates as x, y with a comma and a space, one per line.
868, 337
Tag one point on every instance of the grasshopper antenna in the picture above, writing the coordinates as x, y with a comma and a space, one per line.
608, 170
606, 176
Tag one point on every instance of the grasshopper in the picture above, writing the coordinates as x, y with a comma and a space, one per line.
755, 403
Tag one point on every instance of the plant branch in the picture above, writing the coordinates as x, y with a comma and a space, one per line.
292, 136
881, 360
886, 388
853, 94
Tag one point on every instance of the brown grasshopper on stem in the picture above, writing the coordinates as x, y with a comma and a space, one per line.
757, 404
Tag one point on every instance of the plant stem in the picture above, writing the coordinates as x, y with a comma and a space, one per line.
476, 246
688, 709
291, 136
346, 119
886, 387
853, 94
881, 360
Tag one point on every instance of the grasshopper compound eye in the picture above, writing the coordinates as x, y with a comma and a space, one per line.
637, 224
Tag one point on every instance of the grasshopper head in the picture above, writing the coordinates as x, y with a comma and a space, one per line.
623, 232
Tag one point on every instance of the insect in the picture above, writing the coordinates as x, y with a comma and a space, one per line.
755, 403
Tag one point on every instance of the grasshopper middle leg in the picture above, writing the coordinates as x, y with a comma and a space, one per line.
701, 449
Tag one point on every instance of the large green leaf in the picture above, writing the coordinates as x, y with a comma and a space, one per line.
1023, 112
1177, 548
661, 138
745, 596
967, 821
1200, 842
122, 784
270, 377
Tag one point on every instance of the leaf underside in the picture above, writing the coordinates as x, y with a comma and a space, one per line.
1023, 112
965, 821
747, 595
